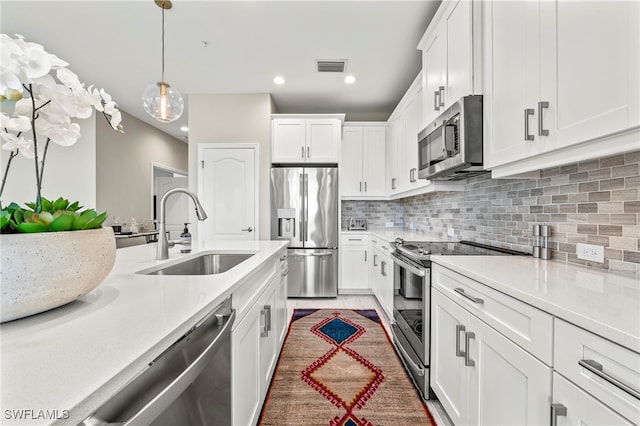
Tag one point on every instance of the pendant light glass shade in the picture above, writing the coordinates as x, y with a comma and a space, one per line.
162, 102
159, 100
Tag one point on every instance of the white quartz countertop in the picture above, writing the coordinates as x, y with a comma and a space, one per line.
76, 356
390, 234
604, 303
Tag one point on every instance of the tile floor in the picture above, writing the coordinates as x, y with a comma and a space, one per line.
363, 302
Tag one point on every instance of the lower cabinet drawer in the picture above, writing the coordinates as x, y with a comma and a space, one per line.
528, 327
573, 406
354, 239
606, 370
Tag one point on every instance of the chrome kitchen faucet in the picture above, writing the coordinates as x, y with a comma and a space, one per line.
163, 242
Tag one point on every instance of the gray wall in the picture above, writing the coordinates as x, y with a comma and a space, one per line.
233, 118
594, 202
123, 167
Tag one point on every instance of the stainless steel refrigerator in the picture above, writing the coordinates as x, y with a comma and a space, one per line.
304, 211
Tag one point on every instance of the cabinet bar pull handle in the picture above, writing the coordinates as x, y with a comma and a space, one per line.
436, 104
375, 257
393, 183
264, 332
461, 292
527, 113
383, 269
541, 130
268, 315
557, 410
459, 353
596, 368
303, 152
360, 186
441, 95
355, 239
365, 186
467, 356
308, 152
365, 255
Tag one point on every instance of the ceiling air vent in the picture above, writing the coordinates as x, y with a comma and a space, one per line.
331, 66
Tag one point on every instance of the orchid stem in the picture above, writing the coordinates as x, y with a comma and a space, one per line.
6, 171
38, 205
44, 156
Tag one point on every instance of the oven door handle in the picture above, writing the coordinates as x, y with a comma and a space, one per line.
406, 357
408, 266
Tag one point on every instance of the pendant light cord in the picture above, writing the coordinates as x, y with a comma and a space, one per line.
162, 45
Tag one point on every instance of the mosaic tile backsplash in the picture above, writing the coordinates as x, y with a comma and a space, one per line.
593, 202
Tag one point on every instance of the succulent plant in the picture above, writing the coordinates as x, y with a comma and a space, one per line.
58, 215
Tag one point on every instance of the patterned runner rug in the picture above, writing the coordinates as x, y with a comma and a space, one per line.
338, 367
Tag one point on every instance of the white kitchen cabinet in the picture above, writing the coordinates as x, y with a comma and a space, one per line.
362, 163
573, 406
607, 371
479, 375
381, 276
310, 139
393, 153
558, 74
355, 259
255, 340
448, 57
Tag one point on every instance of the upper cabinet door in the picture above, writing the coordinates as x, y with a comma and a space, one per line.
374, 141
589, 65
512, 80
433, 75
323, 140
288, 141
351, 161
458, 27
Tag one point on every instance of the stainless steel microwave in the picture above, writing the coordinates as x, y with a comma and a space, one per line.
450, 148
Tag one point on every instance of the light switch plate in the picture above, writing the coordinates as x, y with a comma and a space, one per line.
451, 232
389, 224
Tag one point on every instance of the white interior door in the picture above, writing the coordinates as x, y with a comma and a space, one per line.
177, 207
228, 194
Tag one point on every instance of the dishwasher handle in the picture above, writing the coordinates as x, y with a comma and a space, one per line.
164, 398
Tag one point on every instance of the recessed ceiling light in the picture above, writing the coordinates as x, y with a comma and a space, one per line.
350, 79
184, 128
279, 80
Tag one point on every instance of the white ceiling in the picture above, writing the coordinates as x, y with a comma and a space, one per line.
116, 45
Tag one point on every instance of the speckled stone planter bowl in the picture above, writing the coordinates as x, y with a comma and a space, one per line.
49, 269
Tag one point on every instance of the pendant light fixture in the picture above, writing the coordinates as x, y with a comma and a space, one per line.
160, 100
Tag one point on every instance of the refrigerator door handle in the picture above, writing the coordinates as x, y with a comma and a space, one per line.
306, 207
303, 212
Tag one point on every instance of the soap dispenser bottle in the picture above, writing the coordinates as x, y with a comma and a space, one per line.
185, 239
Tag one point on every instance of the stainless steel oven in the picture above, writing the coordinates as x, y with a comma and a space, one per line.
412, 300
411, 311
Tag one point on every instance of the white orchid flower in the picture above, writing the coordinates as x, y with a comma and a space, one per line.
13, 142
14, 124
116, 119
70, 79
63, 134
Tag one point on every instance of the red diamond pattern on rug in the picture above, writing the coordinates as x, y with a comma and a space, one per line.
342, 375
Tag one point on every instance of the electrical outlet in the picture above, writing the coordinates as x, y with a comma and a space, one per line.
451, 232
590, 252
411, 226
389, 224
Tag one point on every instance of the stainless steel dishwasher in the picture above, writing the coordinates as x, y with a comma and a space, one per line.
188, 384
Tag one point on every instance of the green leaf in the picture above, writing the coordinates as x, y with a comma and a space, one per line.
96, 221
60, 204
44, 217
32, 206
5, 218
46, 204
81, 219
62, 223
32, 227
74, 207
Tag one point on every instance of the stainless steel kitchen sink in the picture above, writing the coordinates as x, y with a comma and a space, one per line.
204, 264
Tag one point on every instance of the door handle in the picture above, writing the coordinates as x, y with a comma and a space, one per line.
326, 253
527, 113
393, 183
302, 155
596, 368
249, 229
308, 152
365, 255
383, 268
268, 317
360, 186
441, 95
459, 353
467, 356
461, 292
375, 257
436, 104
365, 186
557, 410
541, 130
